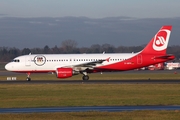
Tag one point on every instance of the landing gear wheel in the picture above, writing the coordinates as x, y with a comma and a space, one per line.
85, 77
28, 79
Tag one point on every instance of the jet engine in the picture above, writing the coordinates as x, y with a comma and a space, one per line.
65, 72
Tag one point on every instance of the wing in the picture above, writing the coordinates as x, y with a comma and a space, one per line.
88, 65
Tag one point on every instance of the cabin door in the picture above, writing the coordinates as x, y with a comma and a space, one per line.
27, 61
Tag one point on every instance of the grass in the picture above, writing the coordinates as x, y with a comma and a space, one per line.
49, 95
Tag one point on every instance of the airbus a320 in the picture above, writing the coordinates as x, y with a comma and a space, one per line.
68, 65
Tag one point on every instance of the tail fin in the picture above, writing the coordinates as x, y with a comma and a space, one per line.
159, 42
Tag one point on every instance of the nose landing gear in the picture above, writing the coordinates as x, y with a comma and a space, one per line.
28, 77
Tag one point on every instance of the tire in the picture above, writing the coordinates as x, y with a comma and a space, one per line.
85, 77
28, 79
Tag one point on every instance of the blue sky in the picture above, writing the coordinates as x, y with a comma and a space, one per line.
91, 8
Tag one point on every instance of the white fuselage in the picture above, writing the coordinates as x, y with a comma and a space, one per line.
50, 62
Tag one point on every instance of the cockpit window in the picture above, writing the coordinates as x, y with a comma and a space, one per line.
16, 60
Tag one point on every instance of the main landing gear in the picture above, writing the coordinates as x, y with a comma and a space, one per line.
85, 76
28, 77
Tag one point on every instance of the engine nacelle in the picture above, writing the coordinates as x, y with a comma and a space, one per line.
65, 72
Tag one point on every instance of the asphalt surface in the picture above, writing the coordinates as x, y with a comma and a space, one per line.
91, 82
86, 109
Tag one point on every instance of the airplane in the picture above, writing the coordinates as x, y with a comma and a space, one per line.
68, 65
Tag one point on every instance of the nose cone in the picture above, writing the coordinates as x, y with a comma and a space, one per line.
8, 67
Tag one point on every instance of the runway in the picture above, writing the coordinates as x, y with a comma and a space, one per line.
91, 82
87, 108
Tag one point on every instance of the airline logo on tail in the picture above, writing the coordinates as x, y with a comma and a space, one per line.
161, 40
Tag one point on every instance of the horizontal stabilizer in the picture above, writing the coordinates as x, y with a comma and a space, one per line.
169, 57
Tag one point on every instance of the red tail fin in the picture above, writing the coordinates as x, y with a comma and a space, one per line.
159, 42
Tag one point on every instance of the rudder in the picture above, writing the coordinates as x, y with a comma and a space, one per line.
159, 42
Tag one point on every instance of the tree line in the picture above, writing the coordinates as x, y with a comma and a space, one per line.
70, 47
